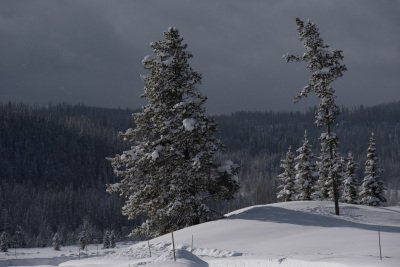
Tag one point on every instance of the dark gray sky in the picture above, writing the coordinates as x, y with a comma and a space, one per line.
90, 51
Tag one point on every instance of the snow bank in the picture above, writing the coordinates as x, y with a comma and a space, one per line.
300, 233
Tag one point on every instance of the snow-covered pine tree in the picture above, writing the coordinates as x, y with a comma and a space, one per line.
372, 193
305, 171
88, 229
106, 239
338, 170
83, 239
321, 187
350, 185
4, 242
19, 237
56, 241
325, 67
112, 239
169, 174
85, 235
341, 172
287, 186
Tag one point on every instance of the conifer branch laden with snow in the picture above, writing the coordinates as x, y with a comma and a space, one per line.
325, 67
169, 174
287, 178
372, 189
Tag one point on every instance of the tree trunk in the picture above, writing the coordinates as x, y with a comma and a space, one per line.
334, 184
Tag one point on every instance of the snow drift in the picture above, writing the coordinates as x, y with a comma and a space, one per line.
303, 233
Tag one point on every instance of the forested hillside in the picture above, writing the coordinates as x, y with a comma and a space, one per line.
53, 169
257, 141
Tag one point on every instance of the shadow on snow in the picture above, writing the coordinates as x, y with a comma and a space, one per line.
281, 215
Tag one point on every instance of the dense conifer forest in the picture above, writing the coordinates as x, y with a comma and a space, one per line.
53, 167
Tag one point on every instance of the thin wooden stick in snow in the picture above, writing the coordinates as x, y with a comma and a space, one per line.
191, 249
173, 245
380, 247
148, 244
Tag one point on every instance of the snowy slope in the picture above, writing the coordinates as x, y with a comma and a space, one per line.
284, 234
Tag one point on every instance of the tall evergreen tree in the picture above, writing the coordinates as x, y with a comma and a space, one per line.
305, 171
325, 67
287, 186
169, 174
350, 192
372, 193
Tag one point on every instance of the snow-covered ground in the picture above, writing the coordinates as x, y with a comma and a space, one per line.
298, 234
49, 257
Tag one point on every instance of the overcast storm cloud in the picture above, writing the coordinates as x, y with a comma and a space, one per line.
90, 51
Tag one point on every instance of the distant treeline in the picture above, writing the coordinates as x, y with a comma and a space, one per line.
53, 169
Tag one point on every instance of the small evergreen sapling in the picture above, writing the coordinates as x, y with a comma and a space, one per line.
83, 241
19, 237
372, 193
85, 235
56, 241
287, 183
4, 242
112, 239
106, 239
305, 171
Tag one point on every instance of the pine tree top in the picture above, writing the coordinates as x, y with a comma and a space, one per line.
325, 67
